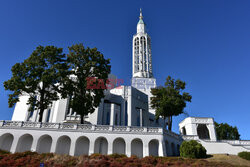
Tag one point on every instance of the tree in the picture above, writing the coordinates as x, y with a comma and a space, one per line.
170, 101
86, 85
226, 132
39, 77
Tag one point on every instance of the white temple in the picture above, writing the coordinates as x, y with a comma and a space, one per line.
123, 123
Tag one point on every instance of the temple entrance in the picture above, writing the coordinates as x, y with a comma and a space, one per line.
203, 132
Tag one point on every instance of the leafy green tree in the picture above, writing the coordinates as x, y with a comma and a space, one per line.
39, 77
192, 149
226, 132
86, 84
170, 100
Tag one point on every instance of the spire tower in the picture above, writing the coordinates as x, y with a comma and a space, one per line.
142, 61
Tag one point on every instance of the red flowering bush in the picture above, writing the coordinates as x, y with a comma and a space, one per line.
33, 159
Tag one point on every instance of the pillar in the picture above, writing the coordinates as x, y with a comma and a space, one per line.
128, 148
141, 117
53, 145
72, 147
112, 112
145, 149
34, 144
14, 144
161, 149
91, 146
110, 146
129, 106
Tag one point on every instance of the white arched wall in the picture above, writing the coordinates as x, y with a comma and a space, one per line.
24, 143
119, 146
44, 144
101, 146
63, 145
137, 147
82, 146
153, 146
6, 141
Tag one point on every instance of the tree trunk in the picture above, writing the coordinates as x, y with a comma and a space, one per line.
40, 115
82, 119
170, 123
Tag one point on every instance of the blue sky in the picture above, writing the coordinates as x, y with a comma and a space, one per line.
205, 43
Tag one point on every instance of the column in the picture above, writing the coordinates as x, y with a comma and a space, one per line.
128, 148
45, 114
72, 147
110, 146
161, 149
91, 147
145, 148
34, 144
53, 145
129, 106
212, 132
14, 144
34, 116
112, 112
141, 117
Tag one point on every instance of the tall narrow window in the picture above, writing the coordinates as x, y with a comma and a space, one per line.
48, 116
108, 118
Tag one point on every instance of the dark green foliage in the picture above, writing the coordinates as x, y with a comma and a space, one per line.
226, 132
85, 63
4, 152
39, 77
244, 155
115, 155
192, 149
170, 100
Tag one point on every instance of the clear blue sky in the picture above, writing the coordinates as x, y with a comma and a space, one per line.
205, 43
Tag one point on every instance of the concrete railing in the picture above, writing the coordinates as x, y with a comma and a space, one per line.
190, 137
231, 142
236, 142
84, 127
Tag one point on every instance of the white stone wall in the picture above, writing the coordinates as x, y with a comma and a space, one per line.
77, 139
212, 145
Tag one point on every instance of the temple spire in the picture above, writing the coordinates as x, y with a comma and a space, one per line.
140, 17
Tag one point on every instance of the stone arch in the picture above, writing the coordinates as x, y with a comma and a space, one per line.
63, 145
6, 141
82, 146
153, 147
101, 146
119, 146
24, 143
173, 149
44, 144
202, 131
137, 148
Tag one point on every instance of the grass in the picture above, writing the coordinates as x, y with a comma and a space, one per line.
231, 159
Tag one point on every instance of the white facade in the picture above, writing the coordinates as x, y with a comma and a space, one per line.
77, 139
203, 131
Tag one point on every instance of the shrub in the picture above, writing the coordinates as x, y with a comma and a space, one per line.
192, 149
4, 152
115, 155
244, 155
